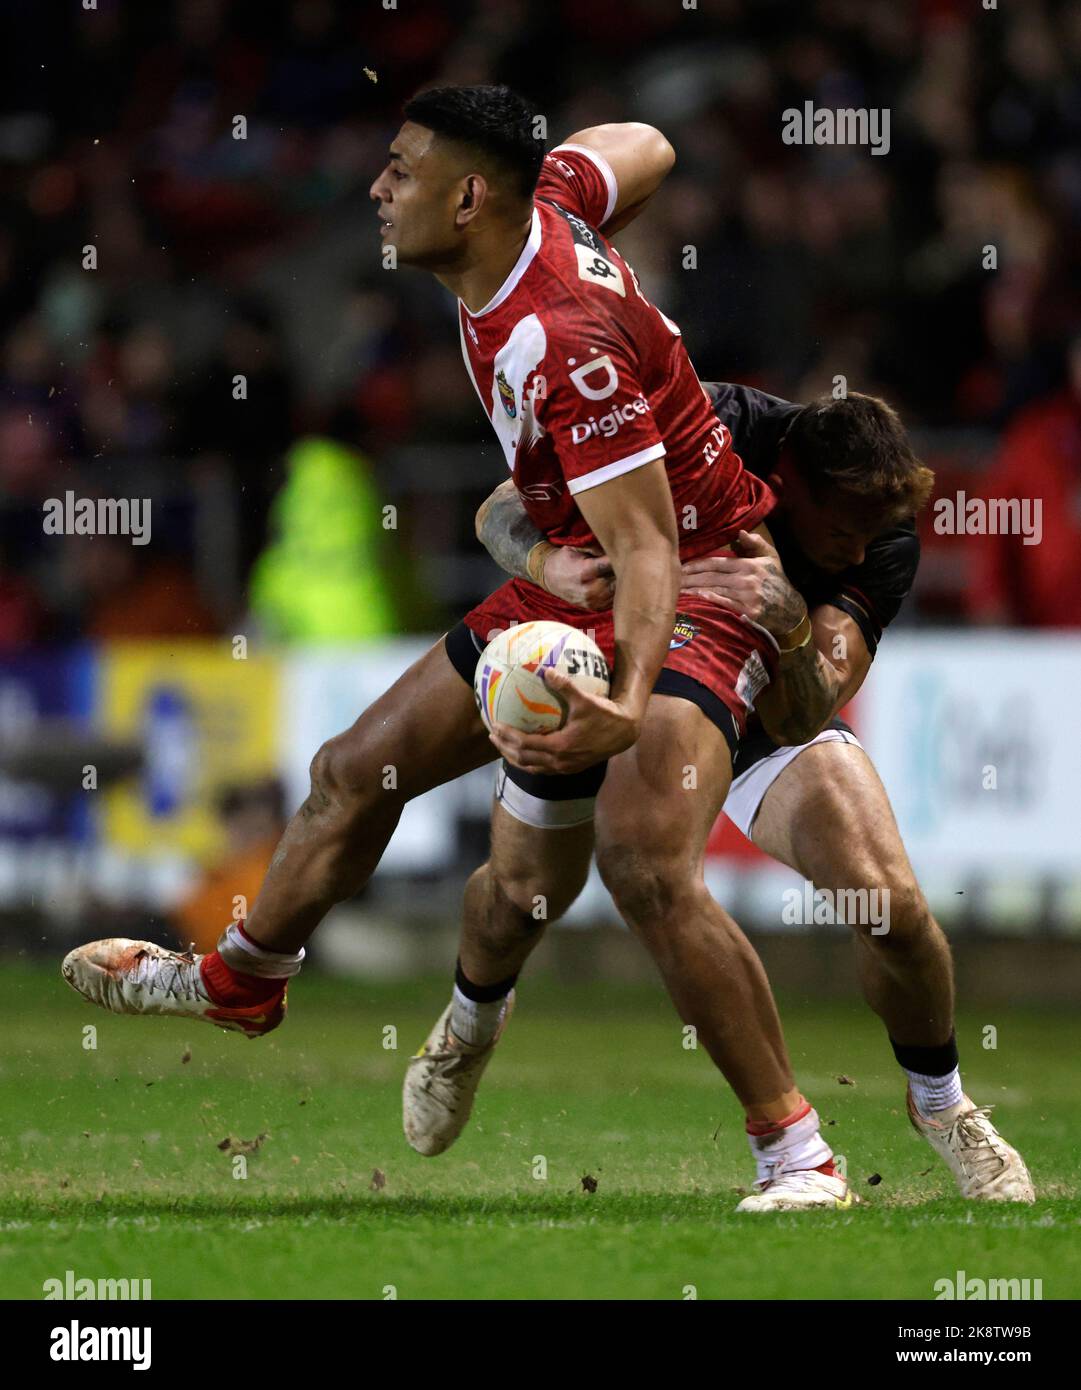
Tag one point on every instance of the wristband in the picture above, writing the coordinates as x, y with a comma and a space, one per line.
796, 637
535, 561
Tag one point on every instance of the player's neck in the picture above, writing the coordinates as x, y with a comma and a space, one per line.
491, 257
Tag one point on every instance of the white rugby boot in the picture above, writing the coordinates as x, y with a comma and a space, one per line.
987, 1169
799, 1189
441, 1081
137, 977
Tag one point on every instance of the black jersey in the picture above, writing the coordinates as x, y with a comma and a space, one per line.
871, 593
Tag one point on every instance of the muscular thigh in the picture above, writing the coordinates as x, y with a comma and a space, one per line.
426, 727
663, 795
828, 817
530, 862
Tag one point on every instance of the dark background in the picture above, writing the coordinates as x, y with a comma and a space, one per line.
260, 256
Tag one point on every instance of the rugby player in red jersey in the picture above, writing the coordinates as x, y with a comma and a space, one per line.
845, 550
593, 398
612, 444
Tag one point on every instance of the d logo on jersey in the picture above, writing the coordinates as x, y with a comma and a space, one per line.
597, 379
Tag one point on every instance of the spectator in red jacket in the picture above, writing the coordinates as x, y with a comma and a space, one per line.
1036, 585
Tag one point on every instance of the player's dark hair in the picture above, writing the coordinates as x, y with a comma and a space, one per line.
857, 446
492, 122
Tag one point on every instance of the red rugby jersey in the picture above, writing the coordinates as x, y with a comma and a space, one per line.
584, 379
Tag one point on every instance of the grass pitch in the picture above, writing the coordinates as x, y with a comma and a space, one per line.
111, 1165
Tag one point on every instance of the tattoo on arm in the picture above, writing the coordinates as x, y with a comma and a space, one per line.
803, 697
783, 605
505, 531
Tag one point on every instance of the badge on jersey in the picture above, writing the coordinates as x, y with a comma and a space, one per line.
593, 262
683, 632
511, 407
599, 269
506, 394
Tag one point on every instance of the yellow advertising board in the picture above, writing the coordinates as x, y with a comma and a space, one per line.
203, 720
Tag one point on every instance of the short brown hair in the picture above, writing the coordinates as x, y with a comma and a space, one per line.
856, 445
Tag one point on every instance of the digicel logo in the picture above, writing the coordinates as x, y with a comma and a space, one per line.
611, 423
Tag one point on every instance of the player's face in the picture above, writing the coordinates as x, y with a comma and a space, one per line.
830, 532
417, 194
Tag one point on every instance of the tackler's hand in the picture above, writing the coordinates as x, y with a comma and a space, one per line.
750, 582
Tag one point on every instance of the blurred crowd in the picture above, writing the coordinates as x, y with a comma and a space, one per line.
150, 259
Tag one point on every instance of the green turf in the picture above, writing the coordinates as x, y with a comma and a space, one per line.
110, 1165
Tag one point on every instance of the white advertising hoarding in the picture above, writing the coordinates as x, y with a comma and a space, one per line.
977, 736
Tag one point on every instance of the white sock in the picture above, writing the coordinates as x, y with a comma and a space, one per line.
795, 1144
933, 1093
242, 954
475, 1023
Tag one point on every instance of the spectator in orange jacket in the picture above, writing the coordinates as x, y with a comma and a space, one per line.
253, 818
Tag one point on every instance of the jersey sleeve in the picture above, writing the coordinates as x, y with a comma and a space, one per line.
872, 593
592, 405
579, 180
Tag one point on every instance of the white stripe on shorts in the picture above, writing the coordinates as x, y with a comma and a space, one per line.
748, 790
536, 811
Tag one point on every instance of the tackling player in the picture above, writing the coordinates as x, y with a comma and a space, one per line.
804, 790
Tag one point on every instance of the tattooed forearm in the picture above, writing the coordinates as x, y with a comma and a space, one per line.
798, 703
782, 605
505, 531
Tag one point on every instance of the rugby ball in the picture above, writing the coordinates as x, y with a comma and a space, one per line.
508, 684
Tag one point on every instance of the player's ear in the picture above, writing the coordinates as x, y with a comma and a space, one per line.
471, 196
776, 482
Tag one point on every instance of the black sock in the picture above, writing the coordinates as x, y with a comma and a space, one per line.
927, 1061
482, 994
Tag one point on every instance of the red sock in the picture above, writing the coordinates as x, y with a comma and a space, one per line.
232, 989
760, 1127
